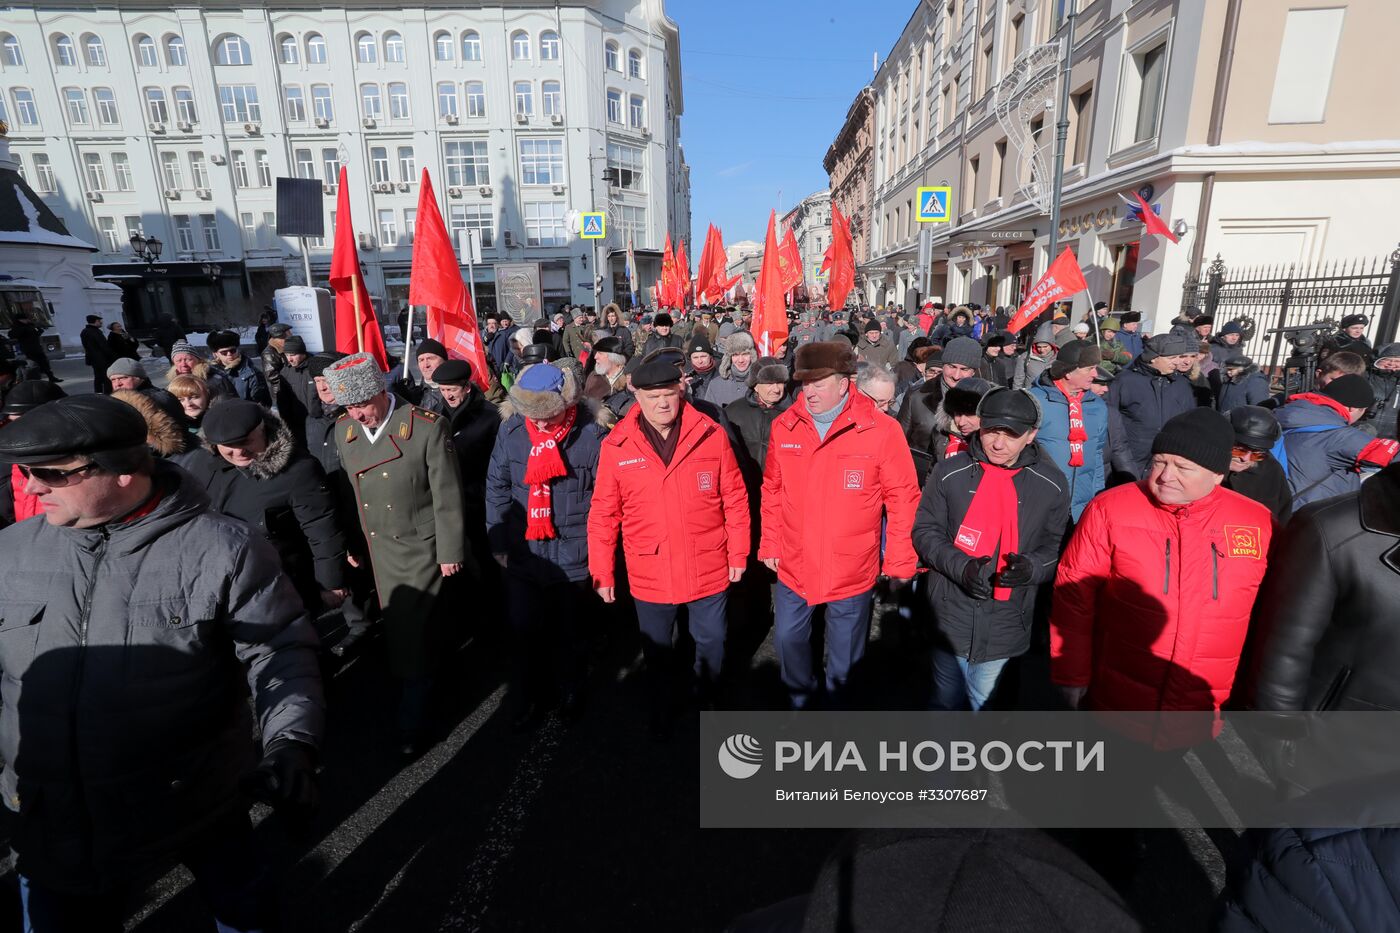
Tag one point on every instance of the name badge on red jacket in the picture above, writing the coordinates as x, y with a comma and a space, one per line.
1243, 541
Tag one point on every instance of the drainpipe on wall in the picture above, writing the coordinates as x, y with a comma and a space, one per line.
1217, 122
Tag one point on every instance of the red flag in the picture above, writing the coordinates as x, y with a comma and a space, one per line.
436, 282
839, 262
711, 267
1061, 280
668, 275
356, 328
789, 262
1152, 222
770, 323
682, 275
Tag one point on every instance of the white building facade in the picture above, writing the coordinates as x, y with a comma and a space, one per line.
810, 222
175, 122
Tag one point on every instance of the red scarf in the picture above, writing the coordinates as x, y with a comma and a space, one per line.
1077, 434
545, 463
991, 525
955, 445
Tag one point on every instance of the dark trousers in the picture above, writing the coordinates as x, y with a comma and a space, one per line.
847, 626
227, 870
546, 620
40, 361
657, 622
100, 383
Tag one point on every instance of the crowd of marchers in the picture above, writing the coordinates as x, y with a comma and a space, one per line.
1178, 531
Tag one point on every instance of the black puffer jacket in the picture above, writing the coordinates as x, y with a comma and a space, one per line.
1140, 401
1383, 414
750, 425
919, 416
990, 629
474, 425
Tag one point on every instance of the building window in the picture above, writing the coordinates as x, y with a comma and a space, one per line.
636, 112
156, 110
393, 47
96, 52
370, 102
634, 63
1083, 106
315, 49
94, 172
240, 169
447, 98
610, 56
289, 50
388, 229
170, 171
108, 227
77, 106
321, 105
1150, 69
520, 46
1307, 57
199, 169
632, 223
614, 106
552, 98
10, 51
544, 224
471, 217
408, 166
184, 106
541, 161
471, 46
296, 104
121, 171
627, 162
106, 106
250, 230
306, 164
232, 50
998, 167
63, 51
379, 161
524, 99
410, 223
25, 109
330, 166
146, 54
209, 226
175, 51
239, 103
264, 169
366, 50
44, 170
549, 46
184, 234
268, 230
398, 101
476, 99
467, 163
442, 46
970, 193
133, 226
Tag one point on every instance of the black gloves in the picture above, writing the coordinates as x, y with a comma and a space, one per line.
977, 577
1017, 572
285, 778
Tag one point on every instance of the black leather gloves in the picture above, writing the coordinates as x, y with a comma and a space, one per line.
977, 577
285, 779
1018, 571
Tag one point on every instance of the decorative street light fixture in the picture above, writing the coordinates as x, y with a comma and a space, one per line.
146, 248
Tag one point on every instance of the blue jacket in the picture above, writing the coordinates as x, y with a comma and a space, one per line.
1252, 388
1140, 401
1085, 481
248, 383
1132, 342
1321, 449
565, 556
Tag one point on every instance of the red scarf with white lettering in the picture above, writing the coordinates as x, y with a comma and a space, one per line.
992, 525
544, 464
1077, 434
955, 445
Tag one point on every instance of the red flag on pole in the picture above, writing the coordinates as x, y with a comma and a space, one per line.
356, 327
668, 275
435, 281
682, 275
1152, 222
770, 323
1060, 281
789, 262
708, 271
839, 262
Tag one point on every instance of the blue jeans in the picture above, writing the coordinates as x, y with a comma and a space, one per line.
959, 684
847, 626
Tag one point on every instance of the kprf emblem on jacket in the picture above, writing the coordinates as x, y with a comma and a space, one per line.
705, 481
1243, 541
855, 479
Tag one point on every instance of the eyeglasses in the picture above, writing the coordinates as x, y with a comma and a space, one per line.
227, 351
54, 477
1248, 453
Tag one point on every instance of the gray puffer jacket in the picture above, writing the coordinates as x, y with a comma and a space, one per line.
123, 656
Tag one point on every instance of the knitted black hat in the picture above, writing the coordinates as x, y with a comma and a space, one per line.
1351, 390
700, 343
1200, 435
431, 346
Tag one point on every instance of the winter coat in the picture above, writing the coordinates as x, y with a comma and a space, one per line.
1220, 351
1152, 603
823, 501
22, 504
1264, 483
683, 524
297, 399
424, 395
576, 341
884, 353
248, 383
128, 652
30, 340
1323, 450
123, 346
988, 629
750, 425
1383, 414
1358, 345
948, 330
1132, 341
474, 425
918, 419
727, 385
656, 342
1250, 387
1115, 355
564, 557
273, 360
97, 352
1086, 480
1029, 367
1141, 400
1001, 369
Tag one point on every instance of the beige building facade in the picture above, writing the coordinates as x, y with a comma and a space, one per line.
810, 223
848, 165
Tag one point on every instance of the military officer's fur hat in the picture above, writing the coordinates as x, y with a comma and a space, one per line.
355, 379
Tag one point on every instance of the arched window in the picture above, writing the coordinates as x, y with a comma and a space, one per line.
288, 50
63, 51
549, 46
442, 46
9, 48
393, 47
146, 54
634, 63
471, 46
232, 50
366, 51
175, 51
520, 46
96, 52
315, 49
611, 60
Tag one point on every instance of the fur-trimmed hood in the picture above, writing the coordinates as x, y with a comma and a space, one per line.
589, 410
164, 434
274, 459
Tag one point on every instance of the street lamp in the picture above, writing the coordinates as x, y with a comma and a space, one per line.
146, 248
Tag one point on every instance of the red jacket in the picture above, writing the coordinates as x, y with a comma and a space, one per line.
683, 525
1152, 602
26, 506
823, 501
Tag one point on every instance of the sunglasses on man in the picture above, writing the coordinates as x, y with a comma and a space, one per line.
53, 477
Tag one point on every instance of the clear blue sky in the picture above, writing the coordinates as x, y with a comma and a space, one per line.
767, 84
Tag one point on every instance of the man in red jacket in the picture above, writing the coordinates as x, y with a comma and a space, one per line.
1154, 593
669, 479
836, 468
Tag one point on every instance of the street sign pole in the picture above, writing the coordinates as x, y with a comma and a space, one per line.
1061, 135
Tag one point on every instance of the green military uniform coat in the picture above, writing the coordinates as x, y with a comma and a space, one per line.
409, 491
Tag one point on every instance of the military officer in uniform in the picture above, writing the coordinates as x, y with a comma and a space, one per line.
408, 486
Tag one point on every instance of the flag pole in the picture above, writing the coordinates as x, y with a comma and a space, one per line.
407, 340
359, 319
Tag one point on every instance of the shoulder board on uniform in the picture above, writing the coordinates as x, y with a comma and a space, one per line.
425, 414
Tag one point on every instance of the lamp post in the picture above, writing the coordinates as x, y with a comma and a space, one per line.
145, 248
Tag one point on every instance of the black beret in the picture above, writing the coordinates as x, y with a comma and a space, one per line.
453, 373
322, 361
222, 339
294, 344
231, 420
656, 374
81, 425
29, 395
431, 346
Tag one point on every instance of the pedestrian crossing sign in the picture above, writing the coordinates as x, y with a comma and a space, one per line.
592, 225
935, 205
820, 274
